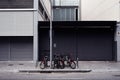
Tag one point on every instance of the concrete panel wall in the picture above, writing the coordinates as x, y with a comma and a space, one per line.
16, 23
100, 10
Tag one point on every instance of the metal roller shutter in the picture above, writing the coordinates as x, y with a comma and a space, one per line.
16, 48
21, 49
95, 44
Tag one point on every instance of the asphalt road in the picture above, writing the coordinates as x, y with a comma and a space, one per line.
60, 76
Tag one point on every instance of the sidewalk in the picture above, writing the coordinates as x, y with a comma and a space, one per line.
95, 66
15, 66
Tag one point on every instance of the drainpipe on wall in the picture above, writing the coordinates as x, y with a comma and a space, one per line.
79, 13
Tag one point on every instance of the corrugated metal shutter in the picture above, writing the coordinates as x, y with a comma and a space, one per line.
86, 44
16, 48
21, 49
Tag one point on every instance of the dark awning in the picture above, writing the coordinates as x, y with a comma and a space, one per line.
78, 24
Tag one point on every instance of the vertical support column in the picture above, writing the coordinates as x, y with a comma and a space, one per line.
35, 32
118, 41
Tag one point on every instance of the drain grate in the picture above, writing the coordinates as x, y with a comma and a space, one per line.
21, 64
10, 64
117, 75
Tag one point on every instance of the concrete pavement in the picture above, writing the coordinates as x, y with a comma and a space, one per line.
95, 66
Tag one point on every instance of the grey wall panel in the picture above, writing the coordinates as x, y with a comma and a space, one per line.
21, 48
19, 23
4, 49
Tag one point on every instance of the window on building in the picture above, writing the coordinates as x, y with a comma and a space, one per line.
66, 2
16, 4
65, 14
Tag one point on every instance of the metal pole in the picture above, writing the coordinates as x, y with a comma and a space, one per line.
119, 11
9, 50
80, 13
51, 36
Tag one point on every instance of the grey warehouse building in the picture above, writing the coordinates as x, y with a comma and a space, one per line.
25, 25
18, 24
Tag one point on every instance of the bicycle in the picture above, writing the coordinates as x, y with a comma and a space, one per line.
44, 63
70, 62
58, 62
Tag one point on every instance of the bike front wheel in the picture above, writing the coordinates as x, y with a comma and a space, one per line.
62, 66
73, 65
42, 65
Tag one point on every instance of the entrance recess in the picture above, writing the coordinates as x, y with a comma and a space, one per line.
86, 40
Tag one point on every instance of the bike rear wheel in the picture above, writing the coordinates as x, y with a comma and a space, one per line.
62, 66
42, 65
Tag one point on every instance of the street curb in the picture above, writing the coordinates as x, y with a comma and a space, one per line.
55, 70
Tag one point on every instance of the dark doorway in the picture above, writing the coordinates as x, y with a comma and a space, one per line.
43, 43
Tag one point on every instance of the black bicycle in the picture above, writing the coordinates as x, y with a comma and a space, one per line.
58, 62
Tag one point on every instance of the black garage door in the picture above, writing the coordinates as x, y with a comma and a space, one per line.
95, 44
87, 40
86, 44
64, 42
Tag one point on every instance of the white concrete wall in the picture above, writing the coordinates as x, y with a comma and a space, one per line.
100, 10
14, 23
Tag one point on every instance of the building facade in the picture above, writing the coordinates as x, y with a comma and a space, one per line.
23, 37
18, 28
88, 42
